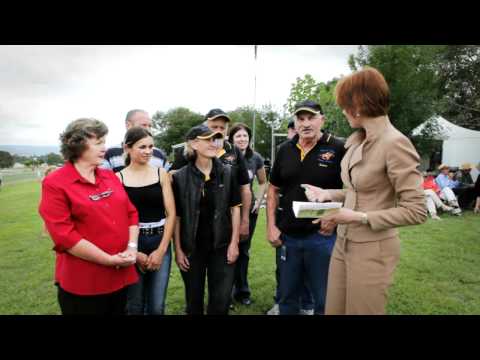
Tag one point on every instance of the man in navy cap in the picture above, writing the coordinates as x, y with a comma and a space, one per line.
311, 157
306, 299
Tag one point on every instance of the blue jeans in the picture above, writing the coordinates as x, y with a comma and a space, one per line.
304, 260
147, 296
306, 298
241, 289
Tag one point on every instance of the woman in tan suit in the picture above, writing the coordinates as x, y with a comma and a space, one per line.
382, 190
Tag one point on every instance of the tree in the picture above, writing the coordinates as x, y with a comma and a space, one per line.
6, 159
411, 74
307, 88
53, 159
458, 68
171, 127
265, 118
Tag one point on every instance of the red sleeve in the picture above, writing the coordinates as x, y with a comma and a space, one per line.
55, 211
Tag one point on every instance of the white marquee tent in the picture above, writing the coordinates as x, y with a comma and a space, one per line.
460, 145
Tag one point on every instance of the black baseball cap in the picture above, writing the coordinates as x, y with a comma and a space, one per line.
216, 113
308, 105
202, 132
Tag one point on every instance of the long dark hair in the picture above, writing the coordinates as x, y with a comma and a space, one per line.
236, 128
132, 136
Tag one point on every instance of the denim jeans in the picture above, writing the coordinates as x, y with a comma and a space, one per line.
147, 296
304, 260
241, 289
306, 298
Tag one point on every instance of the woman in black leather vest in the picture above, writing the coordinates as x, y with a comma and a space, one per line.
208, 201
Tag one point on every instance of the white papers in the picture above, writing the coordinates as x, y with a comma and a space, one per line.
310, 210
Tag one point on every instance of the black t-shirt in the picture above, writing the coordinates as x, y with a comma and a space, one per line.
254, 163
320, 167
148, 200
207, 209
230, 155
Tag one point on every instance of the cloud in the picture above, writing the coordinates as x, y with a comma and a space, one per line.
44, 87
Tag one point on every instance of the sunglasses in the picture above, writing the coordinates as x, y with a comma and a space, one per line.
105, 194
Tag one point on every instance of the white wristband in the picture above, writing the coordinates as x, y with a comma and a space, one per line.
132, 245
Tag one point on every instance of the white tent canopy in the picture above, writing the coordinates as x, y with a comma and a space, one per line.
460, 145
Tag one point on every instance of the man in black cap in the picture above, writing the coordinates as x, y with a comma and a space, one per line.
312, 157
306, 299
217, 120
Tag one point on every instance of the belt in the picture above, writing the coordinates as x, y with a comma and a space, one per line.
151, 231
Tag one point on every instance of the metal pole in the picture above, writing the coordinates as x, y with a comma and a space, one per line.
254, 96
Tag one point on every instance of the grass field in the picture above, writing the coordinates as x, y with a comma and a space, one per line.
439, 271
11, 176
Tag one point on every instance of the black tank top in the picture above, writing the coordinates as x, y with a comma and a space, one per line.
148, 200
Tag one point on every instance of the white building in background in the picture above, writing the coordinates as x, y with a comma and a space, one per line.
459, 145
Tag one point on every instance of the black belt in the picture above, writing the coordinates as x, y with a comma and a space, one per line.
151, 231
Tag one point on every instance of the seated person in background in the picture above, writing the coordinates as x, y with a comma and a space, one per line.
446, 186
432, 199
445, 179
464, 176
476, 188
465, 190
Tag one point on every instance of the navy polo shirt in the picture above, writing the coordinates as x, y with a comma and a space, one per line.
319, 167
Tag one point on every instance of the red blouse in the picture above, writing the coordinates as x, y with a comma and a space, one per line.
429, 183
75, 209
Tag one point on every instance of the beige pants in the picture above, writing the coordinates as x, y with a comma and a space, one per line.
433, 201
360, 275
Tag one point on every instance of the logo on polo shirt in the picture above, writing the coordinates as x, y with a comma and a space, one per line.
326, 157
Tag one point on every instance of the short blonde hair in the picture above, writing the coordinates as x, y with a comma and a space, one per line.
189, 152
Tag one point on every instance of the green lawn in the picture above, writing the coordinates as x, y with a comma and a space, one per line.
439, 271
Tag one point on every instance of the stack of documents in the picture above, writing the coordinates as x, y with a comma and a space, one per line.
310, 210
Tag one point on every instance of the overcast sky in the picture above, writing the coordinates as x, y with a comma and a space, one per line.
43, 88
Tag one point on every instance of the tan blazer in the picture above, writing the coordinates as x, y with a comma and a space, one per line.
379, 171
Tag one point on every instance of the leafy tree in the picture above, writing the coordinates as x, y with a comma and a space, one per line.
458, 68
6, 159
19, 158
53, 159
411, 74
265, 118
307, 88
171, 127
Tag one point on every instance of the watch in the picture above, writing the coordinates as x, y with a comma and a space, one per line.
132, 245
364, 220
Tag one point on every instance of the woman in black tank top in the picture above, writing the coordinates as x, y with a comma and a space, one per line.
150, 190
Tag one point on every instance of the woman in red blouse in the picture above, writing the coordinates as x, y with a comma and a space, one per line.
92, 223
432, 197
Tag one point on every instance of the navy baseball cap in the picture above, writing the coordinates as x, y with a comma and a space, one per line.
308, 105
216, 113
202, 132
